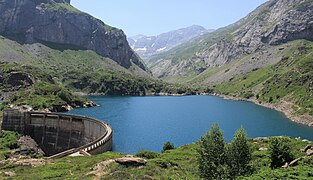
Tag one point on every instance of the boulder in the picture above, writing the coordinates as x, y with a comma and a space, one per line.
263, 149
306, 148
27, 147
286, 165
10, 174
26, 108
61, 108
295, 162
131, 161
309, 152
89, 104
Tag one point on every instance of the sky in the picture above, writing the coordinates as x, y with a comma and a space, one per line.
153, 17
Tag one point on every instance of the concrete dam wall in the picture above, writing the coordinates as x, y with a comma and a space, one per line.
60, 134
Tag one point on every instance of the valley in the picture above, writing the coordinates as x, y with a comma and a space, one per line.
162, 90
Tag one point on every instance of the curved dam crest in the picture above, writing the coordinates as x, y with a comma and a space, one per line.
60, 135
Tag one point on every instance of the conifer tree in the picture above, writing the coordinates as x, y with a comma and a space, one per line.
280, 151
211, 154
238, 154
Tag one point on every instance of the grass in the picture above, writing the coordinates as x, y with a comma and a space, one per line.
8, 141
81, 71
290, 79
180, 163
63, 7
44, 93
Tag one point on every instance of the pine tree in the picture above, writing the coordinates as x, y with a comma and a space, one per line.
211, 154
168, 146
238, 154
280, 151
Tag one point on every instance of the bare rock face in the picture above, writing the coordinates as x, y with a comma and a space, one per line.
27, 147
57, 24
16, 80
275, 22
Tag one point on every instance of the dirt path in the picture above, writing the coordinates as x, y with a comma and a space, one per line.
101, 169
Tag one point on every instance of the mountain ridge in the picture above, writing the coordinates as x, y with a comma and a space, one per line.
146, 46
54, 23
265, 56
273, 23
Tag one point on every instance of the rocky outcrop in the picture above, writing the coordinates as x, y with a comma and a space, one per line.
57, 24
273, 23
14, 81
27, 147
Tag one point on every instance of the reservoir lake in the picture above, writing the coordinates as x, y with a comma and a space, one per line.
146, 123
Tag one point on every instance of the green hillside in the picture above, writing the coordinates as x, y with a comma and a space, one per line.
290, 80
61, 73
180, 163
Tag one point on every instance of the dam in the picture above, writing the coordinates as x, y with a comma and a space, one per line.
59, 134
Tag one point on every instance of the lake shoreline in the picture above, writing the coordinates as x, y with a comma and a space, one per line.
283, 106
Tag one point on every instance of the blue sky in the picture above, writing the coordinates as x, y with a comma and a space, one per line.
152, 17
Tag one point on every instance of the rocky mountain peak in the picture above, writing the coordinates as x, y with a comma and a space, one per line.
274, 23
146, 46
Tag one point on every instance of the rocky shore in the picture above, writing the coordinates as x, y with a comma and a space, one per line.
281, 106
59, 108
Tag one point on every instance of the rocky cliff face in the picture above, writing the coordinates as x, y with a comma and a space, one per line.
59, 25
273, 23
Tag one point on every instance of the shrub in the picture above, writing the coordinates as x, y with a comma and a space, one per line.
248, 95
65, 95
8, 140
238, 154
147, 154
211, 154
168, 146
270, 99
280, 151
1, 106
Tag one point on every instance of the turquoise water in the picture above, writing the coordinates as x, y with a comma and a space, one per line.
146, 123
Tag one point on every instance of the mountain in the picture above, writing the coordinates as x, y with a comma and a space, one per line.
146, 46
267, 56
274, 23
49, 50
57, 24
